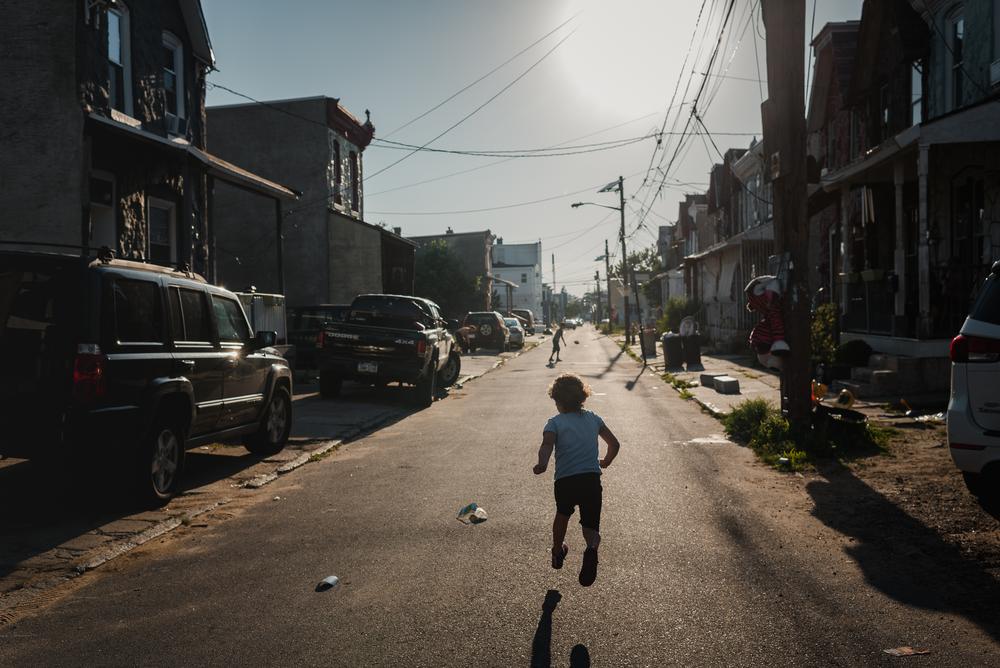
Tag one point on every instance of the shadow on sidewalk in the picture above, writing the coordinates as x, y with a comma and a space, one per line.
903, 558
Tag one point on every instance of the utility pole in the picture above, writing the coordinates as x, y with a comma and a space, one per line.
624, 276
607, 276
785, 150
597, 282
555, 295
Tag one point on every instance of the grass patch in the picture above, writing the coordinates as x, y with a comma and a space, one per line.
760, 426
686, 394
677, 383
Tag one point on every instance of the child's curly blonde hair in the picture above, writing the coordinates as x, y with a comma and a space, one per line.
569, 391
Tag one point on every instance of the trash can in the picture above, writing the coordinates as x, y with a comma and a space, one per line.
649, 342
692, 351
673, 352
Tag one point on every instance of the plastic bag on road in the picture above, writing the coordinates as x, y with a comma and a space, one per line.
472, 514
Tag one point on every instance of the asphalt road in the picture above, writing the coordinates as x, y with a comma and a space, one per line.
707, 558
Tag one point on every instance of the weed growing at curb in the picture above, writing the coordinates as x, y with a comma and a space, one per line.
677, 383
685, 394
759, 425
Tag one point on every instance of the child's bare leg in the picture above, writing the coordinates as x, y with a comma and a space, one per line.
592, 537
559, 525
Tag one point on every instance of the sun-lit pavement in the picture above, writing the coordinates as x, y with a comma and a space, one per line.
707, 559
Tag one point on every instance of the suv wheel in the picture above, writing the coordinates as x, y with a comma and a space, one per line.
329, 384
449, 373
159, 463
425, 389
275, 425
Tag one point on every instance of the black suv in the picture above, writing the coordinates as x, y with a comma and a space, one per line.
110, 357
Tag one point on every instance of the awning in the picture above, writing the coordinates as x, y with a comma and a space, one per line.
855, 171
763, 232
215, 165
503, 281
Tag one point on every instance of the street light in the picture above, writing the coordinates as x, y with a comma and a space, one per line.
619, 185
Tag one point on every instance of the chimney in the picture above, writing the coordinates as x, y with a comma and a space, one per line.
449, 231
398, 231
500, 241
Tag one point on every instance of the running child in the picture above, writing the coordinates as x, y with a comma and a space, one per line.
573, 433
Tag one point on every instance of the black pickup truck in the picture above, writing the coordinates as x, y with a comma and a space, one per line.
387, 338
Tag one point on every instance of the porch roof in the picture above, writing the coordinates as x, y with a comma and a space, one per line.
763, 232
215, 165
857, 170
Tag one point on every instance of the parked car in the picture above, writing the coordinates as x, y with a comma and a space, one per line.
527, 318
111, 356
516, 332
304, 324
389, 338
569, 323
487, 330
974, 408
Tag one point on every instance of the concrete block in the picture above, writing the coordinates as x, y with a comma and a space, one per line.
708, 379
726, 385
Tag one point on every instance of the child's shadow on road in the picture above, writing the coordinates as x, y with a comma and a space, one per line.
541, 645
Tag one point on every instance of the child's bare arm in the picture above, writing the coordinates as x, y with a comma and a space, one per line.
545, 451
613, 446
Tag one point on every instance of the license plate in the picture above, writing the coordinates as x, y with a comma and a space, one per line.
367, 367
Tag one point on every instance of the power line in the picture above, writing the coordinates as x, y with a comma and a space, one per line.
491, 72
479, 108
498, 162
520, 153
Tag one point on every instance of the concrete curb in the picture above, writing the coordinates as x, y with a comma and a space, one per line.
304, 458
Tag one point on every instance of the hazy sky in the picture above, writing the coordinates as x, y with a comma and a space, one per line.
619, 67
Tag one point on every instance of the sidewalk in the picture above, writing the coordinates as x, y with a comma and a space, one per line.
755, 382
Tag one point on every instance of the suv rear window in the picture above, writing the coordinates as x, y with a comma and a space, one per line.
387, 312
481, 319
37, 302
313, 318
138, 315
987, 306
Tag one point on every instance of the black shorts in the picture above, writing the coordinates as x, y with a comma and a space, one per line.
582, 490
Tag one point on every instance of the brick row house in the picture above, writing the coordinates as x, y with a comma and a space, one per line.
725, 238
107, 144
331, 254
909, 153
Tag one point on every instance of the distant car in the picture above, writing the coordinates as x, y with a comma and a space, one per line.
974, 408
304, 323
516, 331
527, 318
487, 330
569, 323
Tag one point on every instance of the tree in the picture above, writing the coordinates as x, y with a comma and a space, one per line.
644, 260
438, 276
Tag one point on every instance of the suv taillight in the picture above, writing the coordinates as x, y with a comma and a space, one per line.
421, 347
89, 382
320, 339
972, 349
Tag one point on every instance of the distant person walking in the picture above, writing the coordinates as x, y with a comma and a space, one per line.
558, 336
573, 435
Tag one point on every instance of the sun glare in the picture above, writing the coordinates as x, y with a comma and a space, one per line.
625, 54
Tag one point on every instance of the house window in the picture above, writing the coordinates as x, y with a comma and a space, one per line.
916, 93
355, 186
883, 115
524, 278
337, 174
119, 60
162, 232
173, 79
956, 44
